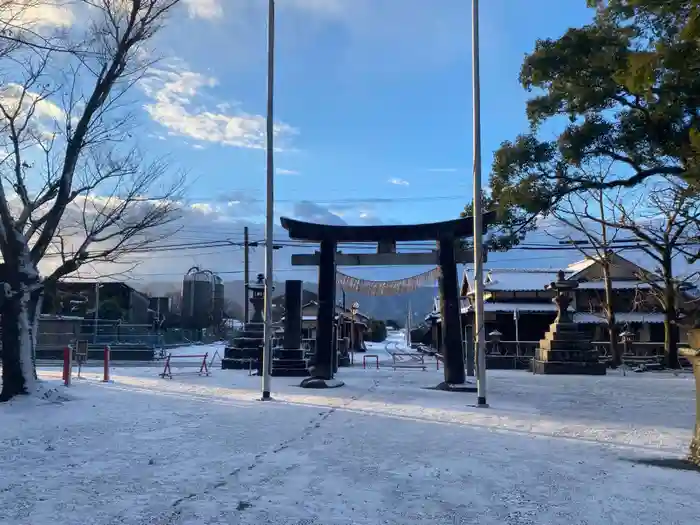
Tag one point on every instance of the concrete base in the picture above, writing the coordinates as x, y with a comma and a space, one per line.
464, 387
588, 368
317, 383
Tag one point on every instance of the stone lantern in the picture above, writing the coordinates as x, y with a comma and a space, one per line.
626, 339
257, 299
565, 349
495, 338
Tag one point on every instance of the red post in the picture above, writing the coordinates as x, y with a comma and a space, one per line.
364, 360
106, 364
204, 369
67, 365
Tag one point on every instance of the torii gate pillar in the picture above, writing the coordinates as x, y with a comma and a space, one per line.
321, 364
452, 349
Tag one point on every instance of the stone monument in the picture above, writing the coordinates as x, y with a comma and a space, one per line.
289, 360
565, 349
246, 349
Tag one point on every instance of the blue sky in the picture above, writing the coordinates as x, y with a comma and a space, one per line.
378, 93
373, 112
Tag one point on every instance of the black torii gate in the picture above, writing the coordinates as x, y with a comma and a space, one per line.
446, 233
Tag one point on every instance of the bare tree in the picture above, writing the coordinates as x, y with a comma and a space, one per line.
90, 195
586, 215
665, 219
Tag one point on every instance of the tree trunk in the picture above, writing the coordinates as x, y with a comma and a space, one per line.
19, 314
670, 315
615, 350
671, 338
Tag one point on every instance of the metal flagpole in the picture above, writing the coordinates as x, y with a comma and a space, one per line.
478, 225
270, 203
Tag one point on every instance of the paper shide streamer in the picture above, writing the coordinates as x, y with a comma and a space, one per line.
397, 287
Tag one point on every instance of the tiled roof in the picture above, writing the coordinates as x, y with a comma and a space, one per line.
512, 307
510, 280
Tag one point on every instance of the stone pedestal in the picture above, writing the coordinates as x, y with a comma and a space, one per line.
565, 349
693, 355
245, 351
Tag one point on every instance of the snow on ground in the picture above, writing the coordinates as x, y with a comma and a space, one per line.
381, 450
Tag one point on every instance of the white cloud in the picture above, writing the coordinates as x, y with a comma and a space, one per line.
173, 94
282, 171
206, 9
49, 13
14, 97
398, 182
312, 212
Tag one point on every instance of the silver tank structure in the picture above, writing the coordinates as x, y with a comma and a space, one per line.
197, 299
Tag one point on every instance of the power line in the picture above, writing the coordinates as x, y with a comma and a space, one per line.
359, 200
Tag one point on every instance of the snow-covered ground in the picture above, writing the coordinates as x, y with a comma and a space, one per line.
381, 450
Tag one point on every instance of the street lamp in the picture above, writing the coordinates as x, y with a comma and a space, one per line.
354, 308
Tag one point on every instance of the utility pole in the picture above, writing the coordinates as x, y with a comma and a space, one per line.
246, 274
478, 219
270, 202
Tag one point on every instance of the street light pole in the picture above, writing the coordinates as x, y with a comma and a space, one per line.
270, 202
478, 224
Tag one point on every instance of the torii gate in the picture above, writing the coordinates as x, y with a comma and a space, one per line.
447, 256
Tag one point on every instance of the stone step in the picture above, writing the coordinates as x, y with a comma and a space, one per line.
289, 372
247, 343
565, 345
568, 368
568, 336
238, 364
243, 353
246, 338
282, 353
566, 355
289, 363
252, 334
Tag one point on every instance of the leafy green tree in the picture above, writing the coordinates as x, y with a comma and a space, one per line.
628, 85
377, 331
508, 228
